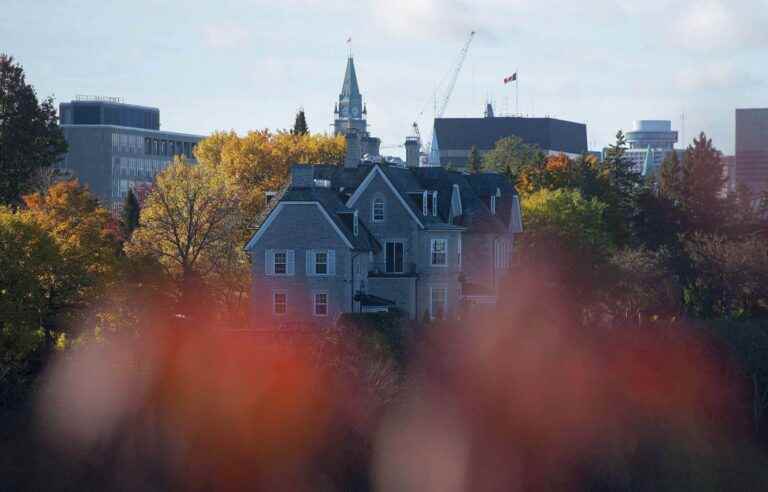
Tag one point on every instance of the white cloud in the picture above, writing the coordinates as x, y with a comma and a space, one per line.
225, 35
715, 76
716, 24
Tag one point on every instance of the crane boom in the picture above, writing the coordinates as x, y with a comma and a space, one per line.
454, 76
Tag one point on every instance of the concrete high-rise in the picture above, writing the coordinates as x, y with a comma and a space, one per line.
114, 147
650, 142
752, 149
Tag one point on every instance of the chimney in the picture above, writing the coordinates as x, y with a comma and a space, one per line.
412, 151
302, 176
354, 153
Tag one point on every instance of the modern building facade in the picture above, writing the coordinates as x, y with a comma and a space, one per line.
650, 142
751, 158
453, 138
114, 147
350, 118
375, 237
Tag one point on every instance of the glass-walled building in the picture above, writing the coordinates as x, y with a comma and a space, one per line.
650, 142
114, 147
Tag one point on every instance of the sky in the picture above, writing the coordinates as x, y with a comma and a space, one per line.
250, 64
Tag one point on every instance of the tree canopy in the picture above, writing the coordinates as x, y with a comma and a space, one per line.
30, 137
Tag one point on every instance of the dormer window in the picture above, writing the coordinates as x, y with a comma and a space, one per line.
493, 204
428, 203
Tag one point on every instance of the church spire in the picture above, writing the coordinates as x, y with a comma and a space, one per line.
350, 99
350, 89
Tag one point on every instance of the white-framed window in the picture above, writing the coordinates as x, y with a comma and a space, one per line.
438, 302
439, 252
321, 262
503, 253
279, 302
378, 210
320, 303
394, 253
279, 261
458, 251
434, 203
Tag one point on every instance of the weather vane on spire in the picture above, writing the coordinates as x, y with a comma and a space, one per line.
349, 46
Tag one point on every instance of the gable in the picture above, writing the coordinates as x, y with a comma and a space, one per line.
378, 180
297, 223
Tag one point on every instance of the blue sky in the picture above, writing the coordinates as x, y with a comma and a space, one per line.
237, 64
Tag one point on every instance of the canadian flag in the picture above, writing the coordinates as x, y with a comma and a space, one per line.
511, 78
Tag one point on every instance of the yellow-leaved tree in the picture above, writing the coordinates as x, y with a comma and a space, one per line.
192, 226
261, 160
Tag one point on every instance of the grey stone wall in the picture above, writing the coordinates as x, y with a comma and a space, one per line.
301, 227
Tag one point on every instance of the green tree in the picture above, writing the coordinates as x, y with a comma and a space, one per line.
510, 155
702, 187
300, 124
474, 163
642, 286
567, 232
671, 178
85, 237
27, 253
621, 194
30, 137
728, 278
129, 215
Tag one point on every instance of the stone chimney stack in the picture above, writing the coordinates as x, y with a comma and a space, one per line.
354, 150
412, 151
302, 176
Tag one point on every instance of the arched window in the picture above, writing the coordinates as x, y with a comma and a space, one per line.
378, 210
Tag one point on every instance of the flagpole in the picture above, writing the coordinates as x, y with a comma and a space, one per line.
517, 85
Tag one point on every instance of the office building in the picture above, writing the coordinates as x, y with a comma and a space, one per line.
752, 149
650, 142
114, 147
454, 137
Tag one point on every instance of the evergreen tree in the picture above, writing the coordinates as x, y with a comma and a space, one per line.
670, 178
624, 185
30, 137
300, 124
703, 181
474, 163
129, 217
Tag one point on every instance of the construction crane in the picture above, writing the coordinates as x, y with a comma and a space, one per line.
449, 80
454, 76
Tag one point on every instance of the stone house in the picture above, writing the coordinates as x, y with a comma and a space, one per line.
375, 236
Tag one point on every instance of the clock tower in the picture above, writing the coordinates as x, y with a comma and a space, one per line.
350, 112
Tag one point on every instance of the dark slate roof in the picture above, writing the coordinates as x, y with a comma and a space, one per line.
330, 201
475, 191
546, 133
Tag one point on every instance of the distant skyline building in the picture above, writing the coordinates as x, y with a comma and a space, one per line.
350, 118
453, 138
650, 142
751, 157
114, 147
